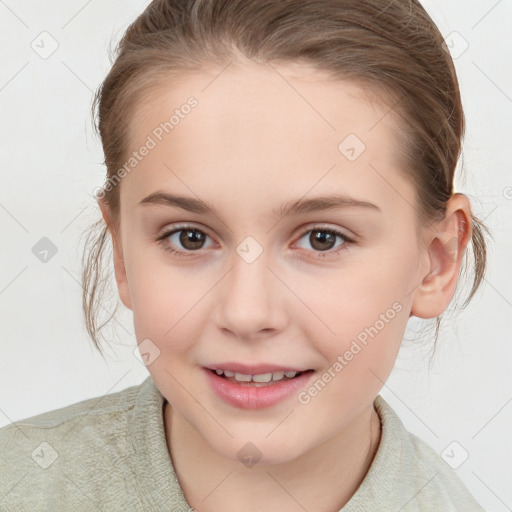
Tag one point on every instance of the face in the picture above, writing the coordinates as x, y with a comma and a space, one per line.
252, 285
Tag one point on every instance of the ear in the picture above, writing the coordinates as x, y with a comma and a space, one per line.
119, 267
446, 243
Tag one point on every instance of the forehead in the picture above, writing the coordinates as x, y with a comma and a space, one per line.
266, 127
265, 95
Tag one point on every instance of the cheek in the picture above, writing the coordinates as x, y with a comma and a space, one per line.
369, 332
362, 312
358, 359
167, 305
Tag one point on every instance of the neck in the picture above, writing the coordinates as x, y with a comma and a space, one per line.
321, 479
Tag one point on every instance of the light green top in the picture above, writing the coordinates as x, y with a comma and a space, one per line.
110, 454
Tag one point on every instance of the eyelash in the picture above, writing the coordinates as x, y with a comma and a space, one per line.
321, 254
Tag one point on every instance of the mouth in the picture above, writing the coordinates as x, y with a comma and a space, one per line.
256, 386
258, 379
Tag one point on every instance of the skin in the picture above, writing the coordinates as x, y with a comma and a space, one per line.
252, 143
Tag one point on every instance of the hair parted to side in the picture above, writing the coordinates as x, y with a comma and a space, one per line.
391, 48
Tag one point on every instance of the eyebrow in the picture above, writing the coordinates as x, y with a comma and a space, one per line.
294, 207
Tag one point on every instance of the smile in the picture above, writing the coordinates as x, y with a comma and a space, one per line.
261, 378
256, 390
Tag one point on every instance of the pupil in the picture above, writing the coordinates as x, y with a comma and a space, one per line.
325, 238
191, 239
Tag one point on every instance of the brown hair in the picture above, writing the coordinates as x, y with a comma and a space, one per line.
392, 48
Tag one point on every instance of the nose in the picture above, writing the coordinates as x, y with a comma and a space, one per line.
251, 300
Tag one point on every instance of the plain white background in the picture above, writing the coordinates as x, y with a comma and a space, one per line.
51, 163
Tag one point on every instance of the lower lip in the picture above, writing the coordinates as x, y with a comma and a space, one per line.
253, 397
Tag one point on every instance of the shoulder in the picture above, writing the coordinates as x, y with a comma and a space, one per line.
64, 452
437, 483
408, 475
82, 418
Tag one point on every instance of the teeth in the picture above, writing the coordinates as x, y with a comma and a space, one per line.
263, 377
243, 378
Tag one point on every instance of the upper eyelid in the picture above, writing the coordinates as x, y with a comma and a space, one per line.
167, 231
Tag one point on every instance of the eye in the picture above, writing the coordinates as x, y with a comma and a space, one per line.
192, 239
189, 238
323, 240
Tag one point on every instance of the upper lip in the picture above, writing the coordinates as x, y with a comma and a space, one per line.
258, 369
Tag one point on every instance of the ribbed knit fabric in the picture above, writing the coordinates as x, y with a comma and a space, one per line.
110, 454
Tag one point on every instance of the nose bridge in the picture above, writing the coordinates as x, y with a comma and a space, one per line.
249, 280
249, 301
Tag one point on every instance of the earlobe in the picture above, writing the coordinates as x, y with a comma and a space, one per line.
119, 264
445, 250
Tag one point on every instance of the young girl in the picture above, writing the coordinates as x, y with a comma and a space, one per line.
280, 199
